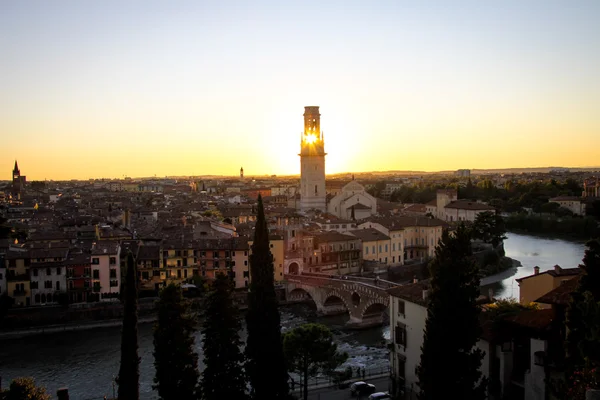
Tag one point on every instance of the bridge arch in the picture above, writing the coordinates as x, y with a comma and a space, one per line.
300, 294
375, 308
294, 268
355, 299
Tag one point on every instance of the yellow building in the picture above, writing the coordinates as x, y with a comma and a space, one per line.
18, 283
376, 246
534, 286
278, 251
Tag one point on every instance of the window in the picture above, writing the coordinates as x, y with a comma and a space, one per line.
95, 261
114, 283
12, 263
155, 273
57, 285
245, 262
373, 249
47, 284
112, 260
185, 275
179, 263
386, 248
35, 272
401, 367
87, 271
113, 273
400, 334
246, 274
96, 274
393, 246
48, 271
215, 254
401, 308
34, 285
58, 271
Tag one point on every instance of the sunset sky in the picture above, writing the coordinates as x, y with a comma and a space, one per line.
142, 88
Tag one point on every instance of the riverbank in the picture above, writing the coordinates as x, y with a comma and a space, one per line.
551, 227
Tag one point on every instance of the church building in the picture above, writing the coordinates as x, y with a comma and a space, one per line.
353, 202
312, 162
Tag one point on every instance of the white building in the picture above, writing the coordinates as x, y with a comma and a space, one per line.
312, 162
447, 207
572, 203
48, 274
353, 197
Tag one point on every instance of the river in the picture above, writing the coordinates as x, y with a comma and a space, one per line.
86, 361
533, 251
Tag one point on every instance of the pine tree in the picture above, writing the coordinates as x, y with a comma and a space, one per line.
175, 360
450, 363
576, 328
223, 376
129, 372
265, 367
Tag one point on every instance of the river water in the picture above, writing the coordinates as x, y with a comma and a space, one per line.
533, 251
86, 361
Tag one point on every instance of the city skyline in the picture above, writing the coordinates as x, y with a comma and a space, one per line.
94, 90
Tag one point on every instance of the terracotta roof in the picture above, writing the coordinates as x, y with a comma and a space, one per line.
405, 221
561, 295
555, 272
468, 205
416, 208
369, 234
432, 203
534, 319
412, 292
332, 236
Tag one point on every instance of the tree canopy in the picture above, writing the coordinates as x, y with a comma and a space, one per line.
450, 362
489, 227
24, 389
223, 376
310, 350
175, 359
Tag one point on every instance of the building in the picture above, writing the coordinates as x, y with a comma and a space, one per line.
242, 173
18, 181
277, 248
353, 202
447, 207
48, 275
312, 162
226, 256
106, 269
18, 287
79, 277
571, 203
463, 173
375, 245
591, 187
333, 253
534, 286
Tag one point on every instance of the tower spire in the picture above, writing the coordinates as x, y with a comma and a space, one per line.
16, 166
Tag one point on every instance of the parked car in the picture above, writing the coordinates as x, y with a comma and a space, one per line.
361, 388
380, 396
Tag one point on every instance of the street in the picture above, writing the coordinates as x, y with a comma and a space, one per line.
381, 384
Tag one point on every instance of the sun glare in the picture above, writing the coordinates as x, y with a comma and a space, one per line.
310, 138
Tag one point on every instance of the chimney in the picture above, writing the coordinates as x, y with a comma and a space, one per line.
536, 270
425, 294
557, 269
62, 394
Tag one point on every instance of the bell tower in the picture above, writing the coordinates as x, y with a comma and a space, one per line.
312, 162
16, 179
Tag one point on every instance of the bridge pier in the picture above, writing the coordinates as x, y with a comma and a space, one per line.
333, 309
365, 322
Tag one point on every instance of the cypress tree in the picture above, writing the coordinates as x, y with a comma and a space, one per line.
175, 360
576, 310
265, 367
129, 372
450, 363
223, 376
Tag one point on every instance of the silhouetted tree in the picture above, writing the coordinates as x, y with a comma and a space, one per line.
266, 368
489, 227
309, 350
175, 360
223, 377
577, 327
24, 389
450, 363
129, 371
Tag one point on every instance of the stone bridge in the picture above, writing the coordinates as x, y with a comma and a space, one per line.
364, 299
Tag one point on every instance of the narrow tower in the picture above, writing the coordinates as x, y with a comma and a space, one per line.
242, 173
16, 179
312, 162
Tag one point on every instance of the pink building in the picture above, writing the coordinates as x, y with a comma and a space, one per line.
106, 270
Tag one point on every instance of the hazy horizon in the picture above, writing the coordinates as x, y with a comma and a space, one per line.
143, 88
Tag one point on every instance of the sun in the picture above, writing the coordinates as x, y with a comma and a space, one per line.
310, 138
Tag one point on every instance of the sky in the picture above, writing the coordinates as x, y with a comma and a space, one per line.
107, 89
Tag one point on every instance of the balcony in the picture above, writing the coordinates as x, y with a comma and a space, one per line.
19, 292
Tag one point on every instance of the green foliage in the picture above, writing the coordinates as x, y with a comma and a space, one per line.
489, 227
223, 377
450, 362
581, 381
129, 371
310, 350
24, 389
266, 368
175, 360
573, 227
